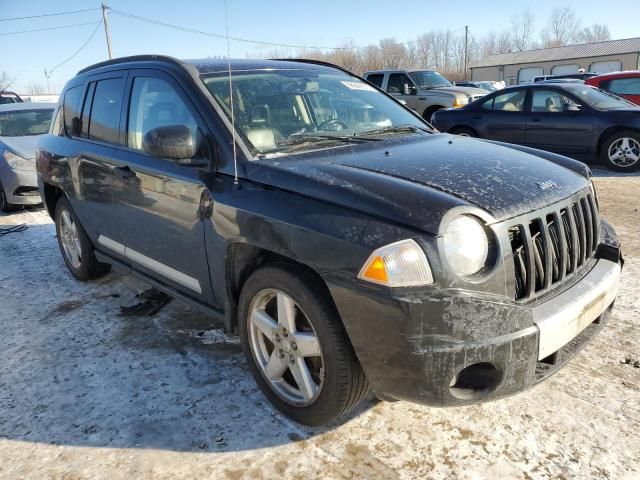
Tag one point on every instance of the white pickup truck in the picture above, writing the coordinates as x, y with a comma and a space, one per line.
424, 91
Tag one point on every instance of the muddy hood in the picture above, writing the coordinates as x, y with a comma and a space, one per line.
416, 180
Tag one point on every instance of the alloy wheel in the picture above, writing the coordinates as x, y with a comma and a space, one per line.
285, 346
70, 240
624, 152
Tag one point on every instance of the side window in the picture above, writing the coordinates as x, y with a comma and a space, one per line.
487, 104
549, 101
624, 86
376, 79
105, 110
155, 103
57, 126
510, 101
71, 107
396, 80
86, 110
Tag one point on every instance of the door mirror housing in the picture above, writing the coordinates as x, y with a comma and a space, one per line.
408, 89
174, 142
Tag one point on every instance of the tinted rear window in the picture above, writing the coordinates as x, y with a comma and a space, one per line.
71, 106
376, 79
105, 110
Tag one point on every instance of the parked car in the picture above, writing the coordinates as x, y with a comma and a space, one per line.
9, 97
424, 91
560, 80
577, 76
485, 85
352, 246
625, 84
21, 126
571, 119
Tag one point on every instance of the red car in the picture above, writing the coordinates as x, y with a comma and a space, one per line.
625, 84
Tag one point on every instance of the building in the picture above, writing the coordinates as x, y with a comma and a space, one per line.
520, 67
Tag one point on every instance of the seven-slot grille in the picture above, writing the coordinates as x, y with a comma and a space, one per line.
550, 248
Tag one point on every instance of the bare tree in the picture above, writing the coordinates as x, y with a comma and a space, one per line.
6, 81
394, 54
35, 88
597, 32
504, 43
522, 30
562, 29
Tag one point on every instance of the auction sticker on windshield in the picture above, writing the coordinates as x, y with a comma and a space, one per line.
357, 86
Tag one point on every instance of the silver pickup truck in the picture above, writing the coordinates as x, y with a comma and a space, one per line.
424, 91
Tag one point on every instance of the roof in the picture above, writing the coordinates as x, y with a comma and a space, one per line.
9, 107
214, 65
585, 50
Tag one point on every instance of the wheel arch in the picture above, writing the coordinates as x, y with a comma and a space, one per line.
611, 131
430, 110
241, 260
466, 127
51, 196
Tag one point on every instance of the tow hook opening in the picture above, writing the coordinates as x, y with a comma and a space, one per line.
475, 381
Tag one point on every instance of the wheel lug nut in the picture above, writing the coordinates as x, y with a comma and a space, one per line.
294, 346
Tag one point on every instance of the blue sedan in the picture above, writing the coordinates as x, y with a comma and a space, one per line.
576, 120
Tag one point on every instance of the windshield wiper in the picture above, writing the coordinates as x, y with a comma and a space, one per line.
303, 139
395, 129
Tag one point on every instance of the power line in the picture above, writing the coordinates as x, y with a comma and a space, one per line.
221, 36
48, 73
48, 14
48, 28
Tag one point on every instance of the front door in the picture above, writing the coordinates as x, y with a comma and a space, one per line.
395, 87
556, 123
160, 199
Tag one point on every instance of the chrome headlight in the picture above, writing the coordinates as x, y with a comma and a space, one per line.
460, 102
400, 264
17, 162
466, 245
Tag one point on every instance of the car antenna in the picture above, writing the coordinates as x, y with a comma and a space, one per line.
233, 120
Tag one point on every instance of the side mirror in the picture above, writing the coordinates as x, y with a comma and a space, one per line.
408, 89
174, 142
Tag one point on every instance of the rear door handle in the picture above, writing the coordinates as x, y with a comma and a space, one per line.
125, 172
535, 119
476, 117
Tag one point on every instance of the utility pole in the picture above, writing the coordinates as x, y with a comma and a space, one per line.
105, 22
466, 50
47, 75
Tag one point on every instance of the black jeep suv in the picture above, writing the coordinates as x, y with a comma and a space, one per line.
351, 246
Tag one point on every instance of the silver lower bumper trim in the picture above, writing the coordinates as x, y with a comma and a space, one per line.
562, 318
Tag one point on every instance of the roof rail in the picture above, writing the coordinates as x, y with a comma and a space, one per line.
314, 62
133, 58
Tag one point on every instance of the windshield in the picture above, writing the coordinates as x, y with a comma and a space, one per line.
281, 111
429, 79
599, 99
20, 123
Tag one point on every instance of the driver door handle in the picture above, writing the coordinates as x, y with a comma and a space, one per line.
125, 172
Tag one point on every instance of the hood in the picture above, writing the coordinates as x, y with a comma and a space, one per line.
468, 91
23, 146
416, 180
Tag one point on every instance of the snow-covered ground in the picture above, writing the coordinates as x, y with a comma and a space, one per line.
87, 393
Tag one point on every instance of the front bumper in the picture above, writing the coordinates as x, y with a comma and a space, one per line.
20, 186
452, 347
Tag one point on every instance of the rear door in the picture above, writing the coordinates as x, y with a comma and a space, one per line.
159, 200
501, 117
555, 123
92, 117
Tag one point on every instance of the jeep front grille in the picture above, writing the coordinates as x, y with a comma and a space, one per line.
549, 249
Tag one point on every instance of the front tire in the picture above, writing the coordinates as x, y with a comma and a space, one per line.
296, 347
621, 151
5, 206
75, 246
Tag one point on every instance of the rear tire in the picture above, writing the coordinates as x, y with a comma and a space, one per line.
465, 132
314, 343
621, 151
5, 206
75, 246
428, 113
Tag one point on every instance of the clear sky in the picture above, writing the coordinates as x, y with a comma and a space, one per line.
321, 22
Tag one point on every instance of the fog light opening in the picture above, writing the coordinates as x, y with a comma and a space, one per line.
475, 381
